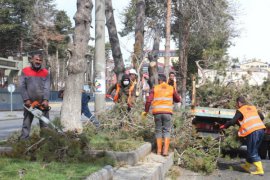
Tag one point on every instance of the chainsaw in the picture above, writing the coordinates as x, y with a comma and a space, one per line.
37, 110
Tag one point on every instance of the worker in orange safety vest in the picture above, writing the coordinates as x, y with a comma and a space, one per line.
124, 91
161, 99
252, 129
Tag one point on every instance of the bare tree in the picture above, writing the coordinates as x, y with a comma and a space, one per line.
139, 33
153, 56
71, 106
119, 67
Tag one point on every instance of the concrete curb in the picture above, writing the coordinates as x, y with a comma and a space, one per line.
5, 150
163, 168
105, 173
128, 158
132, 157
152, 168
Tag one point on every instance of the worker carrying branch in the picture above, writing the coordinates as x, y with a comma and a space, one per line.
161, 99
252, 129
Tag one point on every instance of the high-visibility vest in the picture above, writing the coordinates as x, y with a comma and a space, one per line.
130, 94
163, 99
117, 93
251, 121
116, 96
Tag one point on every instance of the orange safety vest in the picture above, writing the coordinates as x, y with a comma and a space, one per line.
163, 98
116, 96
251, 121
130, 95
118, 88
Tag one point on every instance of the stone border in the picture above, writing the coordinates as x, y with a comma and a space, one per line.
105, 173
164, 167
129, 158
5, 150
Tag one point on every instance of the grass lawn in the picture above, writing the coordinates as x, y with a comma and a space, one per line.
11, 168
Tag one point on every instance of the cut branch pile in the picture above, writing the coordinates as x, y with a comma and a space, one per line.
190, 145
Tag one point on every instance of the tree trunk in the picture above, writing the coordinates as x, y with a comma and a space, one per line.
139, 34
153, 56
183, 42
119, 67
71, 106
168, 37
53, 71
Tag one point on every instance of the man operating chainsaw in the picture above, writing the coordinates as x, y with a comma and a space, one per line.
34, 85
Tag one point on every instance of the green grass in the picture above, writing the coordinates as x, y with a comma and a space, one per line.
10, 168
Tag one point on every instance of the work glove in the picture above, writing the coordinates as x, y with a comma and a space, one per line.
27, 103
222, 127
144, 114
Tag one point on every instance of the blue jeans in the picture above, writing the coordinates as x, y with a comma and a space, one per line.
88, 114
254, 141
86, 111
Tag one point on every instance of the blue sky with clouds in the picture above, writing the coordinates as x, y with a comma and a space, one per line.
252, 20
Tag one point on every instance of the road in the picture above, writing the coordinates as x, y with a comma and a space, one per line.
227, 170
12, 121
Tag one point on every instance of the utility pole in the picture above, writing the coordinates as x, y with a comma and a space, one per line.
168, 38
100, 62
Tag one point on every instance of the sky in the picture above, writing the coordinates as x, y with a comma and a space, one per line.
255, 28
251, 21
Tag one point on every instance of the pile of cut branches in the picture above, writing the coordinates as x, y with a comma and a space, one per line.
131, 123
120, 131
190, 145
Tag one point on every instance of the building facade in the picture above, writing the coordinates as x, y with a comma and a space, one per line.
254, 73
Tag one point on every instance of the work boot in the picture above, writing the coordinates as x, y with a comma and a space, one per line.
259, 168
159, 145
246, 166
166, 146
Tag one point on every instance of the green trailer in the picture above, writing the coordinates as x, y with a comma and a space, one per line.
208, 119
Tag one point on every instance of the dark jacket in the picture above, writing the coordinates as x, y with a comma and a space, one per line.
34, 85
